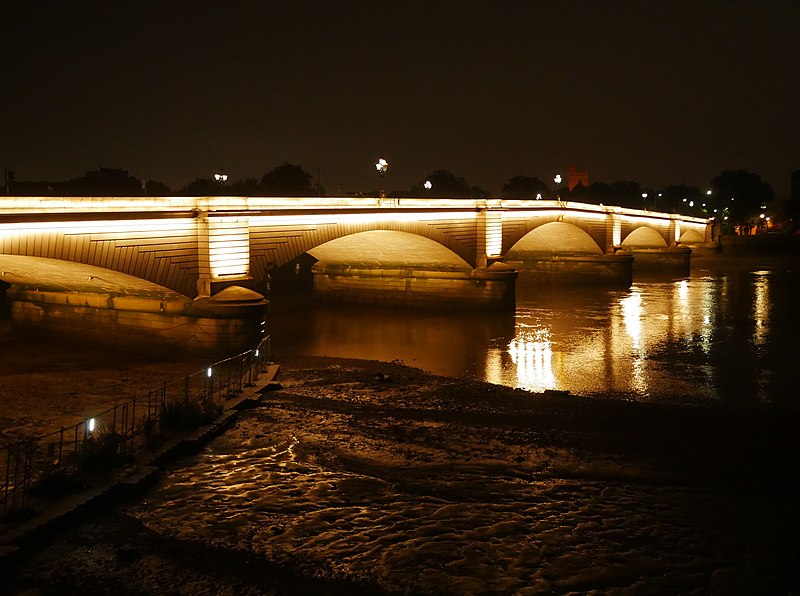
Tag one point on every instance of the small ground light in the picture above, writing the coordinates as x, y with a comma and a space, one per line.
209, 372
91, 424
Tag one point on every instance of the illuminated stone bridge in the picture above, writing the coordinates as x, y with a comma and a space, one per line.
395, 250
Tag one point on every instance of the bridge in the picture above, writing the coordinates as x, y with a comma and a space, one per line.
194, 249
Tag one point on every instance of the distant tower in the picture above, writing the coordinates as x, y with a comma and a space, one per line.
575, 177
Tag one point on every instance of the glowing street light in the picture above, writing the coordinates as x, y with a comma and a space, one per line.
428, 185
557, 179
221, 177
381, 167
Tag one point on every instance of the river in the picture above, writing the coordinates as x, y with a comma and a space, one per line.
725, 332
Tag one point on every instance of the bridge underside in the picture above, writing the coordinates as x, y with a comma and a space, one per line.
563, 253
116, 308
393, 267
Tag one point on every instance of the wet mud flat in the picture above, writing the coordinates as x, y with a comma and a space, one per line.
368, 477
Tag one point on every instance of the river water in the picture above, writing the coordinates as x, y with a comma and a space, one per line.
727, 332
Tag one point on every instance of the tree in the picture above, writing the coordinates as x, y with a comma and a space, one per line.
288, 180
740, 194
154, 188
103, 182
678, 198
525, 187
201, 187
447, 184
245, 188
626, 193
597, 192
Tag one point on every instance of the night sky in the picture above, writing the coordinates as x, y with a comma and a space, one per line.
659, 92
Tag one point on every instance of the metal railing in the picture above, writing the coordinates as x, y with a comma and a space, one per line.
50, 463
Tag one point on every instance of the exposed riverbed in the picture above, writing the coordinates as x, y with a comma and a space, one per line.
364, 477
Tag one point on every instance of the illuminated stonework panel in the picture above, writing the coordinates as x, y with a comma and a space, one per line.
229, 247
494, 234
616, 234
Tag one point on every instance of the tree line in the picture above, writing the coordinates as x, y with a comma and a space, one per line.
733, 196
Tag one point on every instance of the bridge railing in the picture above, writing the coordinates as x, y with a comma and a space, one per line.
40, 467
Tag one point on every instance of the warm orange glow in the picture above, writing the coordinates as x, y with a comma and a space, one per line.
494, 234
229, 247
137, 226
528, 213
616, 234
229, 219
363, 218
532, 352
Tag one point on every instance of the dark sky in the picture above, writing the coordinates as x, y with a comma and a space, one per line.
659, 92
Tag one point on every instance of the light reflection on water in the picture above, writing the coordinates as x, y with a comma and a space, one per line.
714, 335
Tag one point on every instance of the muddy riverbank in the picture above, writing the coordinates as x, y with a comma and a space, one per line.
369, 477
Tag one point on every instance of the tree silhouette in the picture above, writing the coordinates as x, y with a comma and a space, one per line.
244, 188
201, 187
103, 182
678, 198
288, 180
596, 192
524, 187
447, 184
154, 188
740, 194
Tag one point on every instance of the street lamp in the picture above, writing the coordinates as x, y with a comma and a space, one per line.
557, 179
428, 185
381, 166
221, 177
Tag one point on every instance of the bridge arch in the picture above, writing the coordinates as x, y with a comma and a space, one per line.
555, 237
691, 237
388, 248
644, 237
276, 241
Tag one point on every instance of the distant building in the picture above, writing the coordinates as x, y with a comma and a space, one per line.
576, 177
794, 197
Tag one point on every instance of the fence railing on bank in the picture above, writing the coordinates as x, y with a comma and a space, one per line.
44, 465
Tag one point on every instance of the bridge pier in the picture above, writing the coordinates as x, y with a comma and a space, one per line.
161, 323
482, 288
610, 270
673, 259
